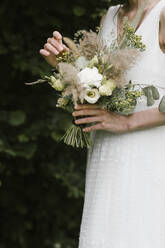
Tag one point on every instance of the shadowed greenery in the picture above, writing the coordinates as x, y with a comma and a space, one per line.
41, 180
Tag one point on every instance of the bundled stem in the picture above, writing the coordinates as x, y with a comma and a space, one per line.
75, 137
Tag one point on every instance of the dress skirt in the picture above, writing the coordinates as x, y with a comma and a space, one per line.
124, 204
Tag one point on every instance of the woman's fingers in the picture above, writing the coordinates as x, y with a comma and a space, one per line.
44, 52
98, 126
51, 49
89, 120
59, 47
58, 37
55, 44
87, 106
88, 112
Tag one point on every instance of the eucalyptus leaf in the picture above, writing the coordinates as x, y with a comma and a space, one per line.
162, 105
155, 93
150, 99
148, 93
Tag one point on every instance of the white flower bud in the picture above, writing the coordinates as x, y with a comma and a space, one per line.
111, 84
57, 84
105, 90
93, 62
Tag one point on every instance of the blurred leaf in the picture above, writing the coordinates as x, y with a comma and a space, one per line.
27, 151
17, 118
41, 178
79, 11
22, 138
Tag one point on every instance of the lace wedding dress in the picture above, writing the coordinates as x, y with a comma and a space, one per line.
124, 203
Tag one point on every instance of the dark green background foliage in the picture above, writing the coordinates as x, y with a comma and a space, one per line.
41, 180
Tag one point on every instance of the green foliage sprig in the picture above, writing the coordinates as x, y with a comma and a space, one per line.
124, 100
131, 39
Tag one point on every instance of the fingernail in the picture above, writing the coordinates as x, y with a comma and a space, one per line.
59, 37
73, 113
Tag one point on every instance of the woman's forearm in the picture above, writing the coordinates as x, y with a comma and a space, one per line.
146, 119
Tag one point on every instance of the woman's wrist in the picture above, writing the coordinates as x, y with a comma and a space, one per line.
146, 119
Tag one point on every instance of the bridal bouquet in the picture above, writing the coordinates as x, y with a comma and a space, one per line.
93, 73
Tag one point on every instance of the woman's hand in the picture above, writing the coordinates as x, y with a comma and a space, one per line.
105, 120
52, 48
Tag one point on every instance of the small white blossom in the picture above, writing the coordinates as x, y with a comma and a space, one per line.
90, 77
92, 95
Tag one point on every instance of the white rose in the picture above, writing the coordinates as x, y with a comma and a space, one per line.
105, 90
90, 77
57, 84
81, 63
92, 95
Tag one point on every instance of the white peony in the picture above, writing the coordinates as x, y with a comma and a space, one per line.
90, 77
81, 63
105, 90
92, 95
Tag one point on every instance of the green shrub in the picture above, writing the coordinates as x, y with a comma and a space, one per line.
41, 180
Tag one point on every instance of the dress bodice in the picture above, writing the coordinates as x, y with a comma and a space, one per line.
150, 67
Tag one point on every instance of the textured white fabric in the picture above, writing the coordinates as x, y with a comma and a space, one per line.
124, 203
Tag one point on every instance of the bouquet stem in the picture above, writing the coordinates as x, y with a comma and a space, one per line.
75, 137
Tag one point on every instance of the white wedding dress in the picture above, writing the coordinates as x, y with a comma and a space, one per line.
124, 204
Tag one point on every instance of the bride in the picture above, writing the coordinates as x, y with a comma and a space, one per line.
124, 204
